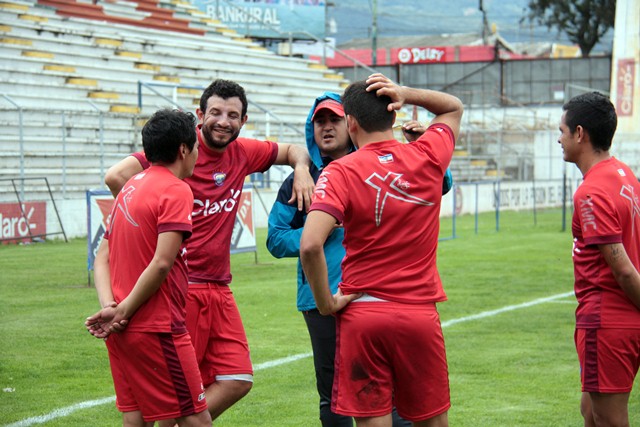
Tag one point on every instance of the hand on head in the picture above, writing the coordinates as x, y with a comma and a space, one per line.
385, 87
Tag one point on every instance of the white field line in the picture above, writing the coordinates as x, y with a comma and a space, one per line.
68, 410
505, 309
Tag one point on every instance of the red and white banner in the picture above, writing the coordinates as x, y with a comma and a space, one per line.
625, 79
22, 222
419, 55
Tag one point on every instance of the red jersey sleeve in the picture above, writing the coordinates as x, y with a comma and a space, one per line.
260, 154
330, 195
597, 216
142, 159
438, 141
174, 213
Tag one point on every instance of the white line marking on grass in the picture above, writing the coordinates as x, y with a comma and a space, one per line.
278, 362
490, 313
63, 412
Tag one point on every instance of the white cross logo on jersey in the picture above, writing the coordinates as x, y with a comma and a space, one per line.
387, 187
123, 207
627, 192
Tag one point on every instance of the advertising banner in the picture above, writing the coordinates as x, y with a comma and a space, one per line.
21, 222
268, 18
626, 77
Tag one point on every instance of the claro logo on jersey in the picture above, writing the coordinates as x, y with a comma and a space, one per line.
211, 207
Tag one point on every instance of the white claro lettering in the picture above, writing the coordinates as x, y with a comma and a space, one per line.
17, 226
211, 207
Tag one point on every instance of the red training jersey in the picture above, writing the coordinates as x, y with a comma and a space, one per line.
152, 202
216, 183
387, 195
606, 210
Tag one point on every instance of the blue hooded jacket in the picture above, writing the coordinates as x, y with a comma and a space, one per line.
286, 222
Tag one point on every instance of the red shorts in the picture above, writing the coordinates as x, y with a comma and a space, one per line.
156, 374
216, 330
609, 359
390, 353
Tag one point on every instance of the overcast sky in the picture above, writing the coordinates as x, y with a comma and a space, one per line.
353, 19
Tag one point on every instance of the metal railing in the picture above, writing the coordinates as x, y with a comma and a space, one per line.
63, 139
173, 100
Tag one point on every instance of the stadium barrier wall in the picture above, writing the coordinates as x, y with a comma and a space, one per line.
470, 198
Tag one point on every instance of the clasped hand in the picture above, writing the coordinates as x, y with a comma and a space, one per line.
106, 321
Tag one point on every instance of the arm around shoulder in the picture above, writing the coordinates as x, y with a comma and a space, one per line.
303, 184
118, 174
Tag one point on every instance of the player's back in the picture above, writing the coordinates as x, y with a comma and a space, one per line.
392, 221
607, 211
151, 202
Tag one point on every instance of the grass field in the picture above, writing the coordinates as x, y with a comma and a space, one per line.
508, 326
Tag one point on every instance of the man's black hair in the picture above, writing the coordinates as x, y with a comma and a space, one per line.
597, 116
225, 89
165, 131
367, 108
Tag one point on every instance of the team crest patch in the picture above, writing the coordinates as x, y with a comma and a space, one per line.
387, 158
218, 178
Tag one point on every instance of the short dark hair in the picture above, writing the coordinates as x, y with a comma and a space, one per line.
597, 116
165, 131
367, 108
225, 89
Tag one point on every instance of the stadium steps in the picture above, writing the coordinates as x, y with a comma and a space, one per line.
76, 65
280, 83
157, 18
54, 36
108, 92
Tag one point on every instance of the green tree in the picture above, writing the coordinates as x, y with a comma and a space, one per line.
583, 21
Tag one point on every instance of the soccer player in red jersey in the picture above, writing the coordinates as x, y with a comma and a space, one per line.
606, 258
224, 161
387, 195
141, 280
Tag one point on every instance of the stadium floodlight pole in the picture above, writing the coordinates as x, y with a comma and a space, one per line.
21, 136
374, 35
101, 130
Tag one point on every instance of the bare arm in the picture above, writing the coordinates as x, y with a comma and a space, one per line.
152, 277
447, 108
102, 275
118, 174
100, 324
114, 317
303, 185
316, 230
623, 270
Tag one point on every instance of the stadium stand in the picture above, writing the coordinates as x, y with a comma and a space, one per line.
78, 78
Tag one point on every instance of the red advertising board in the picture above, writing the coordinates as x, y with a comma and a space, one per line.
22, 222
418, 55
625, 80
